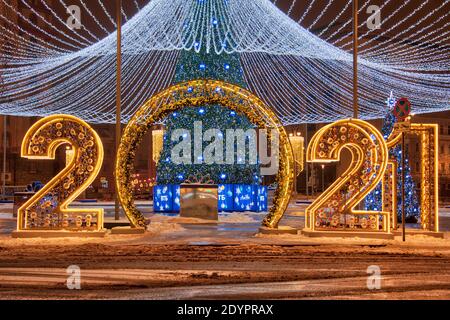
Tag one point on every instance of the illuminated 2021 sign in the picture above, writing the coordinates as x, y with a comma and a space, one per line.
49, 208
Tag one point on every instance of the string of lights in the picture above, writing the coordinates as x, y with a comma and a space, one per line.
92, 15
306, 12
107, 14
39, 29
348, 23
136, 5
389, 53
320, 15
39, 45
338, 16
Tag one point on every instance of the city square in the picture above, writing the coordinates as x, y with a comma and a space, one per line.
211, 149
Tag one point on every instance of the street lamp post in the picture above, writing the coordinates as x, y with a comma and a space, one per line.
355, 59
118, 93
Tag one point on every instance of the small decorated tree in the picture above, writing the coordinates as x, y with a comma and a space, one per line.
373, 200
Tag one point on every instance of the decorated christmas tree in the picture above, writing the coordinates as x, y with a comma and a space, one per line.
206, 65
373, 200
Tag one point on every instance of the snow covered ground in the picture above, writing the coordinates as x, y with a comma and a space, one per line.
184, 258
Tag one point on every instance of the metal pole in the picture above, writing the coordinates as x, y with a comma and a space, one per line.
403, 188
4, 156
118, 92
4, 132
355, 59
306, 162
295, 177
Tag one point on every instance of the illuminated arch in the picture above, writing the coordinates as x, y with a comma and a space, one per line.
193, 94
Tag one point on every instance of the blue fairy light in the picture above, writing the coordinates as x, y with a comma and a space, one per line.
223, 176
226, 66
202, 66
201, 111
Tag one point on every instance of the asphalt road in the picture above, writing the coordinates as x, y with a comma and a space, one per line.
225, 272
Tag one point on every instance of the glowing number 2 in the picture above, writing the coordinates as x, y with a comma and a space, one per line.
48, 208
334, 209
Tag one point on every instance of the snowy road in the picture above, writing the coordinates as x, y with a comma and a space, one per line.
336, 269
178, 259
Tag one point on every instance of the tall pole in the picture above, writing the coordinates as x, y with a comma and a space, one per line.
306, 162
403, 188
4, 155
295, 177
118, 92
355, 59
2, 89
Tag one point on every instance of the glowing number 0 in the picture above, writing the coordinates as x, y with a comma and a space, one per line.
334, 209
48, 208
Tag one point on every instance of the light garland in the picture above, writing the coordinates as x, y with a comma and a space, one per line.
107, 14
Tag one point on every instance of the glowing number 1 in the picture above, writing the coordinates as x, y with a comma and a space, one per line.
428, 133
48, 208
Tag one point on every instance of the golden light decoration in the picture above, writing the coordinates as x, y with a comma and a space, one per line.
48, 208
297, 143
191, 94
389, 191
157, 144
69, 155
429, 191
334, 208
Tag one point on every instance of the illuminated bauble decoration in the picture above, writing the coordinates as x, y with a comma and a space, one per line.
203, 93
402, 109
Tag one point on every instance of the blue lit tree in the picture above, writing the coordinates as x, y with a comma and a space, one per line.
373, 200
